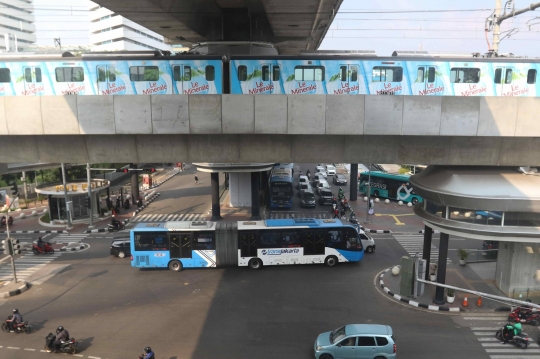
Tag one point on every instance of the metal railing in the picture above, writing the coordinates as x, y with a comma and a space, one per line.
482, 255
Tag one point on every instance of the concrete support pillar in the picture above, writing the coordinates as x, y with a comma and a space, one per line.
255, 210
426, 252
354, 182
134, 185
214, 180
264, 180
441, 270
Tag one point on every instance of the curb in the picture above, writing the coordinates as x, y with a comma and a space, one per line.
423, 231
15, 292
79, 248
126, 221
412, 302
367, 230
20, 232
165, 180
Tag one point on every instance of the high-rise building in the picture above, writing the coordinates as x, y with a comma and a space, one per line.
17, 28
110, 32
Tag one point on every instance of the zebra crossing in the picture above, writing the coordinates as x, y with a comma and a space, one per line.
164, 217
484, 328
26, 265
66, 238
414, 244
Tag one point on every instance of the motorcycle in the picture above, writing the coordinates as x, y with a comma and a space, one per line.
120, 226
127, 204
69, 347
3, 221
522, 340
352, 218
345, 204
139, 202
47, 248
17, 328
522, 315
143, 355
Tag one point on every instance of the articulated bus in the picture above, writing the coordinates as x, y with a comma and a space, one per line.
391, 186
177, 245
280, 187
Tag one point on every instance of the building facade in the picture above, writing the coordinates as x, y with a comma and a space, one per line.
17, 28
111, 32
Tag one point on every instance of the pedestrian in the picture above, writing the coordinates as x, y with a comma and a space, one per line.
371, 207
196, 179
336, 213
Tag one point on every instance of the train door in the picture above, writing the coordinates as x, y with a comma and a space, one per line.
425, 83
348, 75
248, 244
270, 75
106, 79
181, 76
503, 80
32, 80
185, 245
175, 249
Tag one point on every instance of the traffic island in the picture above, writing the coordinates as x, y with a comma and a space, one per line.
11, 289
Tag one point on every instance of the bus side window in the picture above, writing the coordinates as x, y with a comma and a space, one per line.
269, 239
352, 238
335, 239
290, 239
151, 241
204, 241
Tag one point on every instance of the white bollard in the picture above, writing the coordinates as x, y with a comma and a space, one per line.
386, 201
478, 217
365, 199
34, 213
45, 210
377, 200
409, 204
467, 214
395, 270
400, 203
22, 215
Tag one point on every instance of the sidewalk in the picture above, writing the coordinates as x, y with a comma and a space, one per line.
472, 276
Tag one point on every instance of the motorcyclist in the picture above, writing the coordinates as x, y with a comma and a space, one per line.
508, 333
308, 173
525, 311
62, 335
15, 319
147, 354
139, 201
115, 222
40, 242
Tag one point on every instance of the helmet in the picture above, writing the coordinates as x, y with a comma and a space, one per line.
40, 237
59, 329
147, 350
15, 311
528, 300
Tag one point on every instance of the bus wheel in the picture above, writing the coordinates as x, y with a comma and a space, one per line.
331, 261
414, 201
376, 193
175, 265
255, 263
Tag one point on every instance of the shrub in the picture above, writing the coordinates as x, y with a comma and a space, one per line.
45, 218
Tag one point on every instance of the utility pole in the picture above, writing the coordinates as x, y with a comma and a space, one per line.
497, 26
90, 207
25, 190
368, 195
58, 42
68, 212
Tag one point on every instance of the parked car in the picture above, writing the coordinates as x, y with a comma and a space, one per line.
322, 185
357, 341
302, 179
303, 187
339, 179
325, 197
120, 248
307, 199
330, 170
323, 173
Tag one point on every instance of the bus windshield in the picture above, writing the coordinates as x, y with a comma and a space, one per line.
281, 190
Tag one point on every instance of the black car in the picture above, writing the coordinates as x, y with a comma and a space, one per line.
307, 199
120, 248
340, 179
325, 197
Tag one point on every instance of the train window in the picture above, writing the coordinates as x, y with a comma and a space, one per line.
531, 77
420, 75
275, 73
5, 75
507, 76
343, 73
112, 73
187, 73
242, 73
266, 73
176, 73
144, 73
464, 75
309, 73
105, 72
69, 74
28, 74
210, 73
387, 74
354, 73
102, 74
431, 74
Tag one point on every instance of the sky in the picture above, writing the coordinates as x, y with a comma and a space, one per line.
440, 26
383, 26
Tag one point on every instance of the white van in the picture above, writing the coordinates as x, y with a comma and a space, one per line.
367, 242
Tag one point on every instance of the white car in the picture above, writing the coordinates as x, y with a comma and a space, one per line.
330, 170
322, 185
323, 173
367, 242
320, 168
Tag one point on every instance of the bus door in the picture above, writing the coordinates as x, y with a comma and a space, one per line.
269, 79
185, 245
182, 78
106, 80
175, 249
248, 243
503, 80
32, 80
348, 75
425, 83
314, 245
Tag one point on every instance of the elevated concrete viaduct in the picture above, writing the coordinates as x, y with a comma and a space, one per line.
273, 128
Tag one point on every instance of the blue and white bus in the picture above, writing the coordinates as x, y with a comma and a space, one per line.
387, 185
280, 187
255, 244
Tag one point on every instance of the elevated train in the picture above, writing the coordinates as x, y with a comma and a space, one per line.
320, 72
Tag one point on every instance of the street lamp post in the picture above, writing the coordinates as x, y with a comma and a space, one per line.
68, 214
368, 195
